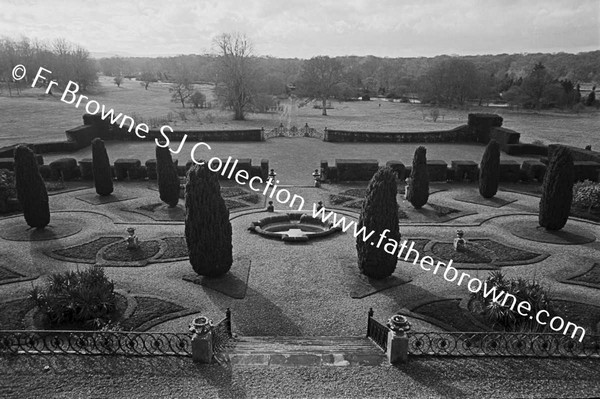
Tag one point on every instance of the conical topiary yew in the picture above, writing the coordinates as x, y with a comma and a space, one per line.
207, 226
379, 213
418, 188
31, 190
489, 170
557, 190
103, 180
168, 180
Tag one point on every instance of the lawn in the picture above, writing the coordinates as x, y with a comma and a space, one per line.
35, 117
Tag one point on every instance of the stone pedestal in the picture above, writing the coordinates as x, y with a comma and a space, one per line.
397, 348
202, 349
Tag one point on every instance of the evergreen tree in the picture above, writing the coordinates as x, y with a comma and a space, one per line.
379, 213
101, 168
207, 226
489, 170
168, 180
557, 190
418, 188
591, 98
31, 190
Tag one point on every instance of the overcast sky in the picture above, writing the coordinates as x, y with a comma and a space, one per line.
305, 28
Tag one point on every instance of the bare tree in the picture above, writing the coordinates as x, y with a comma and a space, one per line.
320, 78
118, 80
146, 78
236, 73
181, 91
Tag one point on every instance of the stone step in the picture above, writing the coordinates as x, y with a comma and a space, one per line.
303, 351
302, 344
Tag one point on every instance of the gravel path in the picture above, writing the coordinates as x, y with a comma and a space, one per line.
119, 377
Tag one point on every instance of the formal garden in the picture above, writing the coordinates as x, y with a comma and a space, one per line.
146, 251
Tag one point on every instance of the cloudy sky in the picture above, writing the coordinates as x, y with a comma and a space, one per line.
305, 28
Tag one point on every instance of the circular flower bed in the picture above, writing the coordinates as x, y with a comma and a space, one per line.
294, 227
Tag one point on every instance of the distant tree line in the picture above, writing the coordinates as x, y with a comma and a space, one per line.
526, 80
245, 82
66, 60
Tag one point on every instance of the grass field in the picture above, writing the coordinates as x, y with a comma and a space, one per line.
34, 117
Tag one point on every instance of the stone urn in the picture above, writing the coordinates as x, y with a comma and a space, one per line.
201, 325
460, 244
398, 324
132, 240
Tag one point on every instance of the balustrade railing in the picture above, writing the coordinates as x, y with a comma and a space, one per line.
221, 333
293, 131
377, 331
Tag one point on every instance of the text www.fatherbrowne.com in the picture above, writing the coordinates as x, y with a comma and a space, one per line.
405, 250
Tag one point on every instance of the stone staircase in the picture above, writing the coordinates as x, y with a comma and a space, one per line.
302, 352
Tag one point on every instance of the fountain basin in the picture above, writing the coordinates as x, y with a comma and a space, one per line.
292, 227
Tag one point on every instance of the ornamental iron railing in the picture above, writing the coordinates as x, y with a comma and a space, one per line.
125, 343
489, 343
501, 344
95, 343
293, 131
221, 333
377, 331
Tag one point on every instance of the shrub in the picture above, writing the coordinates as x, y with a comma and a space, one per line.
207, 226
7, 188
31, 190
82, 296
489, 170
168, 181
557, 190
379, 212
418, 189
591, 98
101, 168
586, 194
505, 318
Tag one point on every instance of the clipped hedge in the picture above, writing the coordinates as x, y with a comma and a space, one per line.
31, 189
557, 190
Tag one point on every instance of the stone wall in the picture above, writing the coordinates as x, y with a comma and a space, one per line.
460, 134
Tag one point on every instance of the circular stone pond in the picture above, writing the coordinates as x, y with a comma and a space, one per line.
292, 227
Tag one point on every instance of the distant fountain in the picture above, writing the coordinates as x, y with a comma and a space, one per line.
289, 111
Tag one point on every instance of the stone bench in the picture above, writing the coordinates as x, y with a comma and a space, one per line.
151, 170
356, 169
465, 170
510, 171
533, 170
65, 168
86, 169
437, 170
261, 170
127, 168
586, 170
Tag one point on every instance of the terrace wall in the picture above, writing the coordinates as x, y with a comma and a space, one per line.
459, 134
